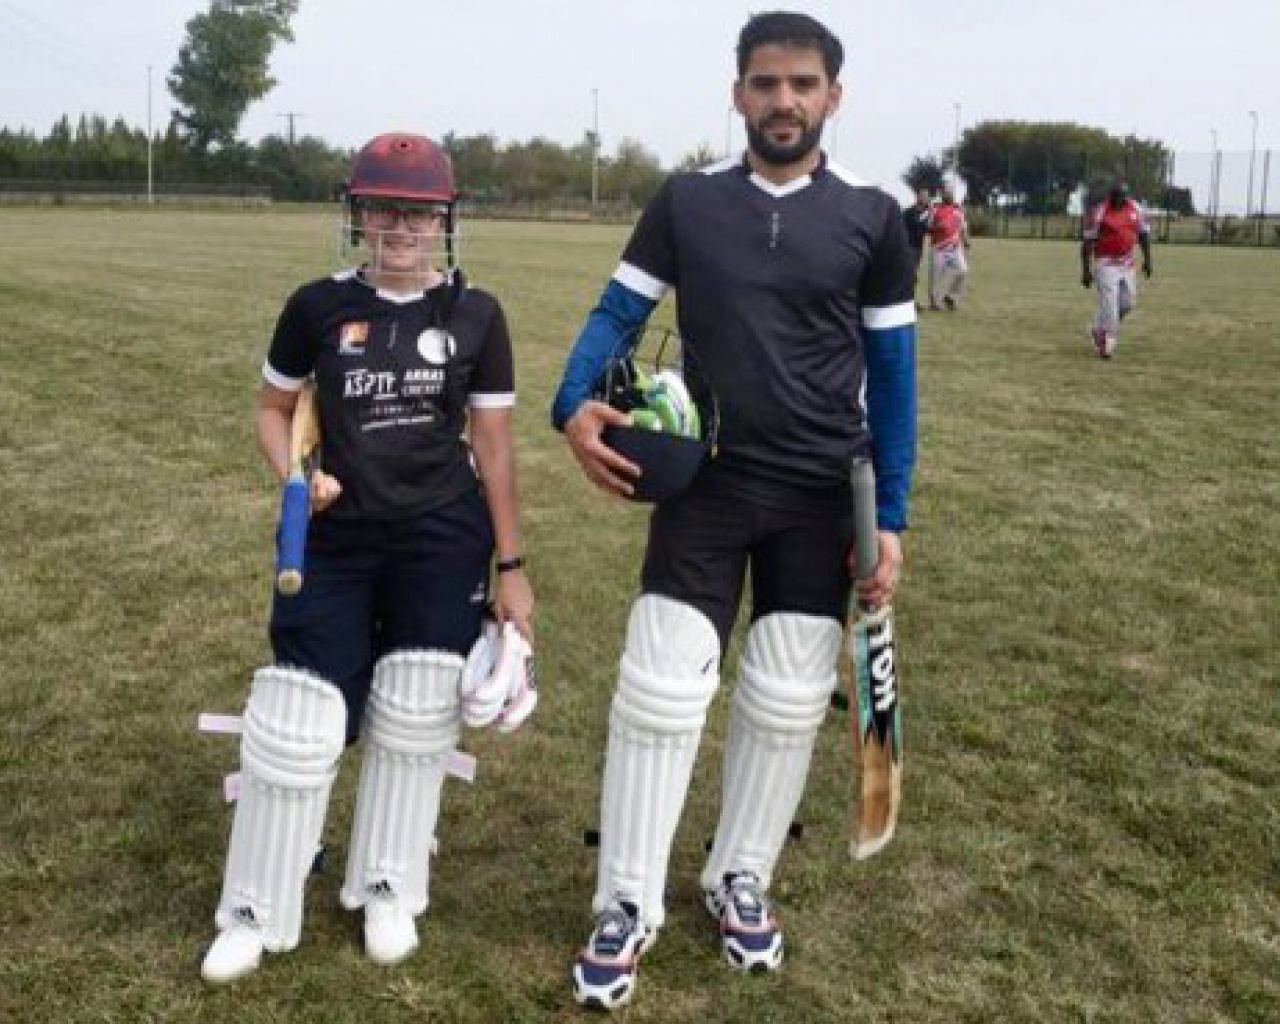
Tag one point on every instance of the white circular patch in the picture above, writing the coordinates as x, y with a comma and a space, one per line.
436, 346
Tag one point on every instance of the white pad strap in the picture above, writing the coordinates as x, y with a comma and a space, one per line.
411, 725
293, 734
788, 673
667, 677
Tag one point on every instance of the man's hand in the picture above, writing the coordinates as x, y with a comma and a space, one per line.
879, 590
1086, 278
604, 467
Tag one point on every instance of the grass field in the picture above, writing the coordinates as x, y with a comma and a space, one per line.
1089, 631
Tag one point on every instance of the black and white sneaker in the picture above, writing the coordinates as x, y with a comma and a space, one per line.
749, 932
604, 972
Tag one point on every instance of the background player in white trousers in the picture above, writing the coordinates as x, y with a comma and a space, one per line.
1112, 231
949, 247
795, 302
413, 374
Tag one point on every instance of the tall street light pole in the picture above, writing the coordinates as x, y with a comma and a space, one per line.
151, 195
1213, 176
1253, 155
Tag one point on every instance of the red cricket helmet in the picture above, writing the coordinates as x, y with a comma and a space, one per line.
399, 165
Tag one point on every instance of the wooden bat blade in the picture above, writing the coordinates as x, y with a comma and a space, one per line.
295, 504
877, 733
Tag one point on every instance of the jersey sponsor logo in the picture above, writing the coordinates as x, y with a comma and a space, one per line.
435, 346
365, 383
352, 337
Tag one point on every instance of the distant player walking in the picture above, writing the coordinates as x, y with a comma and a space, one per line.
1112, 230
915, 220
949, 240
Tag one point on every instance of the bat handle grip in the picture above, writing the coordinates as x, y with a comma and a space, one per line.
292, 539
866, 537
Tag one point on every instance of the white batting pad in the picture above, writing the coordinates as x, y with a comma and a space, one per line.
788, 673
411, 725
668, 674
294, 729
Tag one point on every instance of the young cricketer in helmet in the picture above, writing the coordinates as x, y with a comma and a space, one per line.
414, 499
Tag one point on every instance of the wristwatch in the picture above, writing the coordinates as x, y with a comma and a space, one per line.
509, 564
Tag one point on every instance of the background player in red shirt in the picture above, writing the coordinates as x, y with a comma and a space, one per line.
1112, 230
949, 240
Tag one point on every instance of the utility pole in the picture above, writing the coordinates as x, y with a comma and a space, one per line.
955, 160
290, 116
595, 148
151, 195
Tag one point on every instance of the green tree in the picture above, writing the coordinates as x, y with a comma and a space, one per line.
306, 170
477, 164
925, 172
1039, 164
633, 175
222, 67
701, 157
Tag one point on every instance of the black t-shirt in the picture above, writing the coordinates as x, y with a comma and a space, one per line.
394, 378
772, 283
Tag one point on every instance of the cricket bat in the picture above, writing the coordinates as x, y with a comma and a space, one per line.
295, 505
877, 727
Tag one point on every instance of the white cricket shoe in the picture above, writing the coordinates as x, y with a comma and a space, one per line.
604, 972
236, 951
390, 934
749, 932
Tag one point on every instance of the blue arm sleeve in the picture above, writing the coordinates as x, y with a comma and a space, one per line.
891, 417
611, 331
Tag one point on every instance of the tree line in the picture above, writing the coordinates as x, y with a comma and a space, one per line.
308, 169
1036, 167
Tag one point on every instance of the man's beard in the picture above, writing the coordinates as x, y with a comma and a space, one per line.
772, 153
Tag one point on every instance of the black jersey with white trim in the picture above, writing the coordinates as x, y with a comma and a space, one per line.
395, 376
774, 285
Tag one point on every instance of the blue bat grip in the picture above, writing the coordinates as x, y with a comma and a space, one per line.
291, 542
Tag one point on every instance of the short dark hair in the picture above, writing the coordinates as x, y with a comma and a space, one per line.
790, 28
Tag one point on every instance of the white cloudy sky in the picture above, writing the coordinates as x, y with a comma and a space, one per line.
660, 70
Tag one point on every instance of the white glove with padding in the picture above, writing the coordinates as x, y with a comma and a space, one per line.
498, 683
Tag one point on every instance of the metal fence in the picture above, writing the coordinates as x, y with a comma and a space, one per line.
59, 192
1209, 198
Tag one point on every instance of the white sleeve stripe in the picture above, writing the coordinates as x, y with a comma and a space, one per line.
492, 399
278, 380
881, 318
846, 175
638, 281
